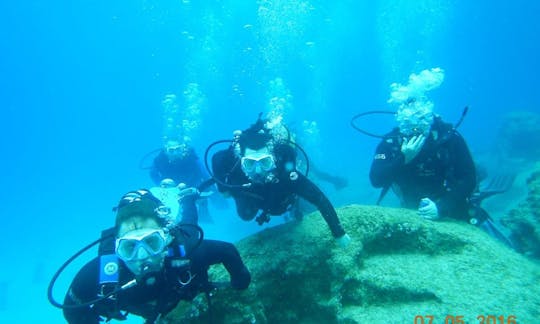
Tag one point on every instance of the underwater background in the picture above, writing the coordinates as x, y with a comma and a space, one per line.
83, 83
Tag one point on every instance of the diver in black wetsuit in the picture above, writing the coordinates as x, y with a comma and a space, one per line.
153, 265
178, 162
440, 170
259, 171
428, 165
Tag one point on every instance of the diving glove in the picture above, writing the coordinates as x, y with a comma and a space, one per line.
344, 241
428, 209
191, 193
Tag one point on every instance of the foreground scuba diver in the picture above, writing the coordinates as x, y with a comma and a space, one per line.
259, 171
158, 265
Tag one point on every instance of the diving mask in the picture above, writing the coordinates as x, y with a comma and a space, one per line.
415, 118
253, 164
152, 242
174, 150
414, 129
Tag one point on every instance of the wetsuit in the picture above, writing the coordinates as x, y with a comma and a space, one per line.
181, 278
274, 197
443, 171
186, 170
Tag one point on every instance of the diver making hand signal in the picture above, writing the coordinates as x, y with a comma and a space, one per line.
410, 148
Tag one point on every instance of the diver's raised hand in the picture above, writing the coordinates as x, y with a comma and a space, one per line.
410, 148
188, 193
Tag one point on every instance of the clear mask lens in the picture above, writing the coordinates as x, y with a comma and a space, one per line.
153, 243
174, 149
265, 163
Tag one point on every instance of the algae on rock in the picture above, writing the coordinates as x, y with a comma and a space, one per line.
524, 221
397, 267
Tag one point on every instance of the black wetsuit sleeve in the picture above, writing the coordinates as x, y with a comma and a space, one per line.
189, 209
190, 216
306, 189
83, 289
461, 178
387, 163
212, 252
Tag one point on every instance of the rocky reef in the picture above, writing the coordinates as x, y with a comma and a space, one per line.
524, 220
397, 268
519, 136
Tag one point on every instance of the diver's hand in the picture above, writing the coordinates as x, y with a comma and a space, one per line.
181, 186
344, 241
428, 209
410, 148
189, 193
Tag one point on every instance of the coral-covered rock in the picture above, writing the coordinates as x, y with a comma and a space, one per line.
396, 268
524, 221
519, 136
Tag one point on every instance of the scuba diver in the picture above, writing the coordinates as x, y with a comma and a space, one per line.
178, 162
426, 161
177, 166
428, 165
259, 171
148, 264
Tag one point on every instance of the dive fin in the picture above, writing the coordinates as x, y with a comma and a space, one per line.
494, 185
498, 183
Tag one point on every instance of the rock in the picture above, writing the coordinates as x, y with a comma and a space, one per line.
519, 136
397, 267
524, 221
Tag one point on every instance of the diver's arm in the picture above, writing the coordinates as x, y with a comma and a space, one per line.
212, 252
306, 189
187, 227
387, 163
187, 200
460, 183
83, 289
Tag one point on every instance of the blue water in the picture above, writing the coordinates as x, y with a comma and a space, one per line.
81, 85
